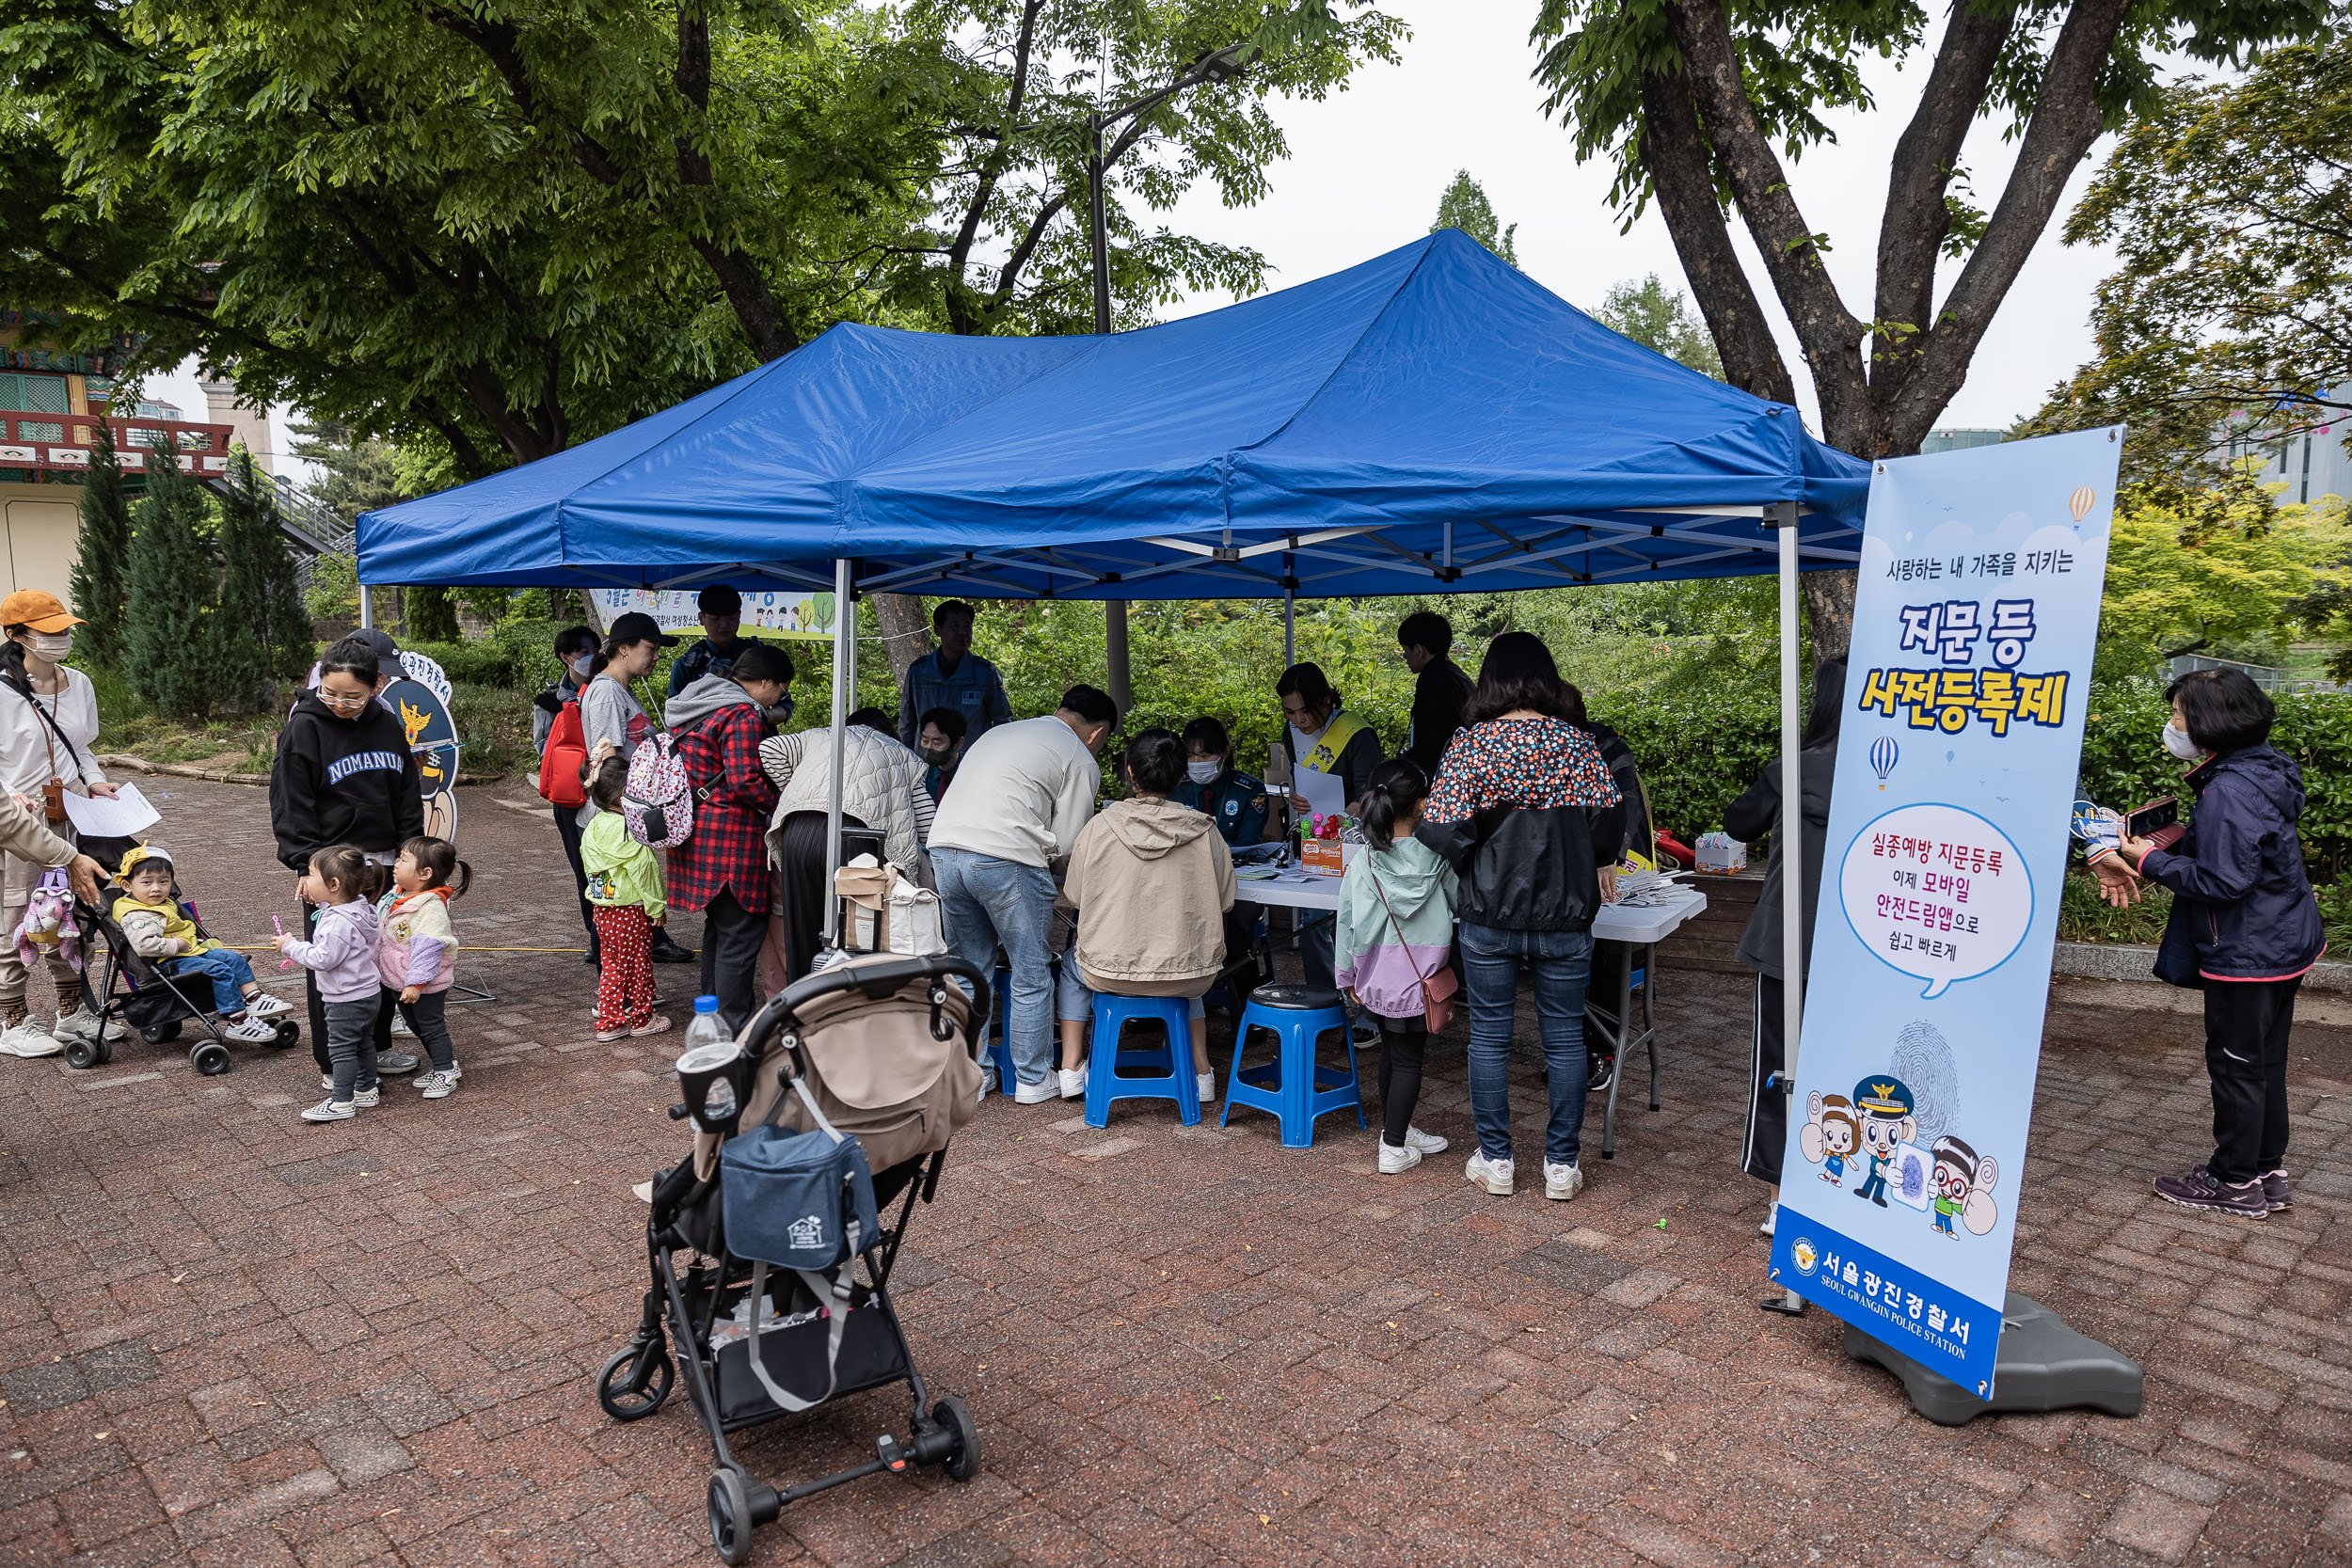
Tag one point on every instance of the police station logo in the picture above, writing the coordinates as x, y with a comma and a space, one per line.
1802, 1253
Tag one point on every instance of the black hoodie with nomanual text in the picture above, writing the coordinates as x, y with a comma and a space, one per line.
342, 781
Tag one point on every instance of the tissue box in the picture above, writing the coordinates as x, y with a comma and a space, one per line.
1328, 855
1725, 856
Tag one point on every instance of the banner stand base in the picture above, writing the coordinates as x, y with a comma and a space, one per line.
2042, 1365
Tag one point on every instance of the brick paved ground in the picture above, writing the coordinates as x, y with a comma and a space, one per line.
230, 1336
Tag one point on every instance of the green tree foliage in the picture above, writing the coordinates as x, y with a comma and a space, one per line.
359, 473
1698, 103
2231, 317
102, 556
2210, 569
263, 628
173, 594
1658, 317
430, 615
1465, 206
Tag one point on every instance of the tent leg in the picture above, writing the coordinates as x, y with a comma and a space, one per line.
1289, 629
367, 608
1791, 842
844, 676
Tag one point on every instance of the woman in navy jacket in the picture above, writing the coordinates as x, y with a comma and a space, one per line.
2244, 929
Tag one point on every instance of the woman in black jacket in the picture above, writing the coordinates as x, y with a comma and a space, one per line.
2244, 929
1524, 809
1747, 819
344, 775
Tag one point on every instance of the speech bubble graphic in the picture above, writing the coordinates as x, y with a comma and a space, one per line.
1937, 892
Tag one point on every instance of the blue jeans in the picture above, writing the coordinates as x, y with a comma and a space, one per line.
229, 972
990, 902
1563, 962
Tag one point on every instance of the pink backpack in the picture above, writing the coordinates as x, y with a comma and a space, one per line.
658, 804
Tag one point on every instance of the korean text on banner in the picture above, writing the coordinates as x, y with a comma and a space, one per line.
767, 612
1975, 612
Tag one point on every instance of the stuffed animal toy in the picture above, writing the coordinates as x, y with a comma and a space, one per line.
49, 925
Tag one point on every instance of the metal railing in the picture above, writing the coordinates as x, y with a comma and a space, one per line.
2269, 677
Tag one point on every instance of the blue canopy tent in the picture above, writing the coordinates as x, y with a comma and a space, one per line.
1432, 420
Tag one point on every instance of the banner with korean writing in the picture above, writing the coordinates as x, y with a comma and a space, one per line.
778, 612
1975, 612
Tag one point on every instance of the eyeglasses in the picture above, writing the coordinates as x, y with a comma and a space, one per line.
343, 703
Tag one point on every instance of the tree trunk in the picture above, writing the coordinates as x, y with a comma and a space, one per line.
1114, 655
906, 636
1829, 610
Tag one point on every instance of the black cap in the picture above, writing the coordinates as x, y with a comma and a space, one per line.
719, 599
638, 626
387, 651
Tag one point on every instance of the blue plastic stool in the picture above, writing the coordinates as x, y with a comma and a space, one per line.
1173, 1078
1292, 1086
1000, 1038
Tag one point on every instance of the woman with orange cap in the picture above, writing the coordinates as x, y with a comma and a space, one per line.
48, 724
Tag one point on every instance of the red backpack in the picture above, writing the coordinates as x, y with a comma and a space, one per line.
563, 758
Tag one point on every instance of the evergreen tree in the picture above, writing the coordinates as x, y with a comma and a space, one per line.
432, 616
264, 629
173, 593
102, 556
1465, 206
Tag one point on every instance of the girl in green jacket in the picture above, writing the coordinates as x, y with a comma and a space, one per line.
625, 890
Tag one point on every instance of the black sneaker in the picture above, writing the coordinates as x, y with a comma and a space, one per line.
2278, 1190
2241, 1200
1597, 1072
665, 950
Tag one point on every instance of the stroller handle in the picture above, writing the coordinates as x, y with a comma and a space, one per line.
876, 980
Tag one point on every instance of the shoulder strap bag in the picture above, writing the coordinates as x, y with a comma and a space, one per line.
1436, 991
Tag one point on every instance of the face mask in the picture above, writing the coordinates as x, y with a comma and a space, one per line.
937, 757
51, 646
584, 666
1206, 771
2180, 745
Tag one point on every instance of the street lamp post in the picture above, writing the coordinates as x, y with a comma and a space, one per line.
1221, 66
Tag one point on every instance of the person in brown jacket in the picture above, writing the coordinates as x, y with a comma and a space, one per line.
1152, 881
24, 836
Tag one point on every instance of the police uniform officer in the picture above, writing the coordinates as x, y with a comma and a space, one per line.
1234, 800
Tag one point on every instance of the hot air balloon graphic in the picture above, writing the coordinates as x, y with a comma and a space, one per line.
2079, 502
1883, 754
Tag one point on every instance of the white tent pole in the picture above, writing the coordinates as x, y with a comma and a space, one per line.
367, 608
1289, 630
1783, 518
844, 676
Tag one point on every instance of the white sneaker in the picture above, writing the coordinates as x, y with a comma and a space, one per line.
29, 1039
266, 1006
988, 1081
1563, 1182
81, 1023
439, 1085
330, 1110
367, 1100
1045, 1089
1208, 1087
1395, 1160
1492, 1174
249, 1029
1428, 1143
1073, 1081
400, 1026
1770, 1215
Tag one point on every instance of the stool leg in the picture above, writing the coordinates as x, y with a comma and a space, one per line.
1298, 1087
1241, 1037
1177, 1020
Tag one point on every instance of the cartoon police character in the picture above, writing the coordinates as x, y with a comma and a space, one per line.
1886, 1104
1830, 1136
1963, 1188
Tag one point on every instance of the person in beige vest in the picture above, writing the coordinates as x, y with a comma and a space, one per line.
23, 836
1152, 881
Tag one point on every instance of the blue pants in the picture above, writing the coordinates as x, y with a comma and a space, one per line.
990, 902
1562, 963
229, 972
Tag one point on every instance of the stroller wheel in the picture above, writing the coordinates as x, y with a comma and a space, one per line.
730, 1505
289, 1031
211, 1058
965, 1462
81, 1051
635, 1382
163, 1034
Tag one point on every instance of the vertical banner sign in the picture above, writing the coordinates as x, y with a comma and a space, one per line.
1975, 615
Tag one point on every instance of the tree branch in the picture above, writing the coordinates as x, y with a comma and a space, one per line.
2066, 122
1675, 155
1910, 235
1828, 333
992, 169
1011, 272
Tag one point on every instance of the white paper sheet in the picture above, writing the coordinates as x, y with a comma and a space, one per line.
1326, 793
127, 812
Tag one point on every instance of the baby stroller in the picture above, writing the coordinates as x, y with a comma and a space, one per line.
152, 1001
879, 1050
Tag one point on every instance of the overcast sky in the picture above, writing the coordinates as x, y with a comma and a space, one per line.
1367, 167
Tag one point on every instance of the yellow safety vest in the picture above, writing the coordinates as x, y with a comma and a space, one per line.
1323, 757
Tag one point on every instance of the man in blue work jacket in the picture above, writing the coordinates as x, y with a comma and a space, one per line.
1232, 799
953, 677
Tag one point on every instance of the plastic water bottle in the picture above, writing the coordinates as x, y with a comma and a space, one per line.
710, 1032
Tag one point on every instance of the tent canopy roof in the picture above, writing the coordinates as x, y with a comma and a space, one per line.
1430, 421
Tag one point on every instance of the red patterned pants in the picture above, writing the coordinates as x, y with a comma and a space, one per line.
625, 987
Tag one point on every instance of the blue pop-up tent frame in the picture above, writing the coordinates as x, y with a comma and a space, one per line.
1430, 422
